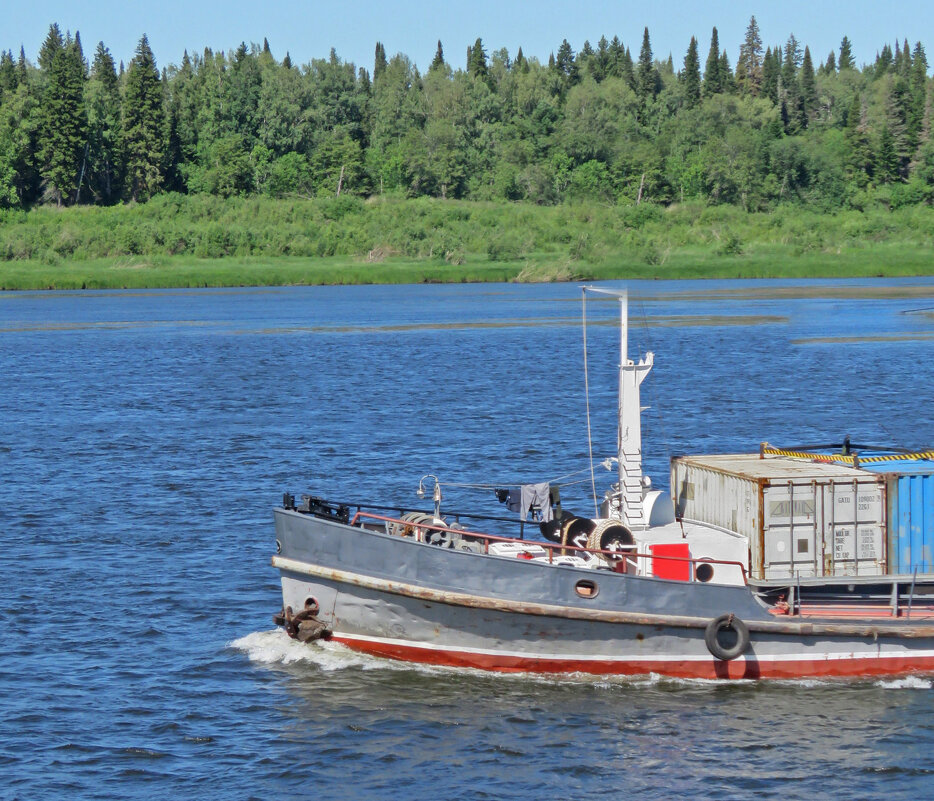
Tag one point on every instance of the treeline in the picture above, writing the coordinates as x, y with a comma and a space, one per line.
598, 124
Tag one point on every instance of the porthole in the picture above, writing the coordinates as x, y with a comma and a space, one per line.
312, 603
704, 572
278, 547
586, 588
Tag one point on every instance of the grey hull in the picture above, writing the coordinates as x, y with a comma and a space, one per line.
399, 598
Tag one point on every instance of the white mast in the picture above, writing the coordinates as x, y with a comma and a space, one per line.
629, 433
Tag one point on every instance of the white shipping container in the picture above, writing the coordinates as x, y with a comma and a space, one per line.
801, 518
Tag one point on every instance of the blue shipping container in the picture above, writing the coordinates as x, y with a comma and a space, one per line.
910, 493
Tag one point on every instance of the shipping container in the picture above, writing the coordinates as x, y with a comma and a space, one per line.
910, 496
801, 518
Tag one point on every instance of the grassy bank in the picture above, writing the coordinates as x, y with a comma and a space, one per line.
177, 241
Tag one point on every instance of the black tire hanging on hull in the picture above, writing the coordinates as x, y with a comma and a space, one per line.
728, 622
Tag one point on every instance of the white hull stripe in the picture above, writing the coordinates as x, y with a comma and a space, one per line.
565, 657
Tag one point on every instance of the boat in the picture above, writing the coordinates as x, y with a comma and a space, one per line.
769, 565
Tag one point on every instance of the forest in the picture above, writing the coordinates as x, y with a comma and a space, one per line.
776, 125
595, 164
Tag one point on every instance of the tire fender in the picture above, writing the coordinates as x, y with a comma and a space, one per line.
726, 622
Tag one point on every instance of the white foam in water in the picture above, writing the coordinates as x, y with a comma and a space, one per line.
275, 647
907, 683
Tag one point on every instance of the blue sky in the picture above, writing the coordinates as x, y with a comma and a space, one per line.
309, 29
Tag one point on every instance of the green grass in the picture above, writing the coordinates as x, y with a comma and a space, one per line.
178, 241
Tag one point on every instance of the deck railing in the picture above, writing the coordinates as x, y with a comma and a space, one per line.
625, 553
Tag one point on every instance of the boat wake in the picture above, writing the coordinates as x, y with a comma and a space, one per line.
907, 683
275, 647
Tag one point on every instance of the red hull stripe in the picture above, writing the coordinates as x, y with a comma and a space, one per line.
685, 668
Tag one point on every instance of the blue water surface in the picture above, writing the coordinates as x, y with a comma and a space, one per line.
146, 435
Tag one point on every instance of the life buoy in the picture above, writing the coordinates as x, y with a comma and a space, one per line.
712, 637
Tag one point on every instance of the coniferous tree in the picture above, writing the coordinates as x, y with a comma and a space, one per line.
860, 158
21, 72
600, 66
144, 124
52, 45
437, 62
476, 61
884, 61
379, 61
887, 159
845, 62
750, 60
808, 89
105, 127
8, 79
830, 67
615, 56
647, 78
287, 61
897, 116
64, 131
770, 75
790, 93
519, 60
566, 64
726, 74
627, 70
713, 84
917, 83
691, 75
363, 81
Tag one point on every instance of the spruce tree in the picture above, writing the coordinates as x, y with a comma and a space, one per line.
379, 61
565, 62
64, 132
750, 60
808, 89
691, 75
8, 79
712, 82
144, 124
287, 61
884, 61
105, 127
437, 62
476, 61
647, 78
845, 62
917, 83
600, 66
615, 55
770, 72
627, 70
51, 47
790, 94
726, 74
887, 159
860, 158
21, 71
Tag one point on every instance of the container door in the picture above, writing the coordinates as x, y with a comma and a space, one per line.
911, 502
792, 542
854, 527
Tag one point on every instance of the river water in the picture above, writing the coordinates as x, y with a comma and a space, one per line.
145, 436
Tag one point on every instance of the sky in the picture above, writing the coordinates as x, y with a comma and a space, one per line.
308, 29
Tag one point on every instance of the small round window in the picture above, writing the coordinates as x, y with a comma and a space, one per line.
586, 588
704, 572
